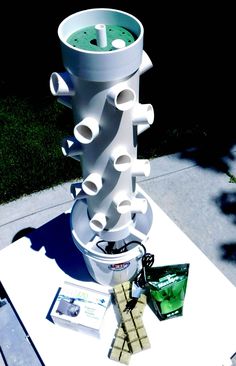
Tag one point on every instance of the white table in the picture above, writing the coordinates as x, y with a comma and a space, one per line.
203, 336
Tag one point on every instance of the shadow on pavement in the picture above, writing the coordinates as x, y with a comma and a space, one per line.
55, 237
227, 204
228, 252
214, 152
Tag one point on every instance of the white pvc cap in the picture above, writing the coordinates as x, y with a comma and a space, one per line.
98, 222
121, 159
86, 130
92, 184
117, 44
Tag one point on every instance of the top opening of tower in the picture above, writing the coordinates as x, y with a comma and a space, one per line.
86, 38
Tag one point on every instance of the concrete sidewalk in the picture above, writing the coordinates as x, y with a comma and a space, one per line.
193, 197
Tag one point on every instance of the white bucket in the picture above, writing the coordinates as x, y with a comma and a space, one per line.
110, 269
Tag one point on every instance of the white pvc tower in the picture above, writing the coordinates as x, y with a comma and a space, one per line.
102, 51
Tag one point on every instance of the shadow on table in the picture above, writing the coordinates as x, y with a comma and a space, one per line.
55, 237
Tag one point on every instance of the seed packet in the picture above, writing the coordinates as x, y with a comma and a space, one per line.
167, 288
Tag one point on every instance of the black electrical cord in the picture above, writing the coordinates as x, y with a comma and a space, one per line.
99, 247
109, 249
147, 261
124, 248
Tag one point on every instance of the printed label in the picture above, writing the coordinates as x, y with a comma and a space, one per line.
119, 266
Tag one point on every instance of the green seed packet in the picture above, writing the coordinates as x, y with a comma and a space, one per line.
167, 287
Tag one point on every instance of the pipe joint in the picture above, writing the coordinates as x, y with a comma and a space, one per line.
76, 191
143, 114
121, 159
141, 167
86, 130
139, 205
92, 184
146, 63
98, 222
71, 147
122, 97
61, 84
122, 203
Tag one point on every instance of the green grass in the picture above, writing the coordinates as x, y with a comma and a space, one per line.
30, 153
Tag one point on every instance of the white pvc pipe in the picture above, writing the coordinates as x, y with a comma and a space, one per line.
139, 205
66, 101
146, 63
122, 97
71, 147
76, 191
61, 84
121, 159
86, 130
141, 167
92, 184
98, 222
142, 128
122, 203
143, 114
101, 35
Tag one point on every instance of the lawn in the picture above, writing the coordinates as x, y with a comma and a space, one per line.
30, 153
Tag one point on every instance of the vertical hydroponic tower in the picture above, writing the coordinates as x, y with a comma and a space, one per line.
102, 51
